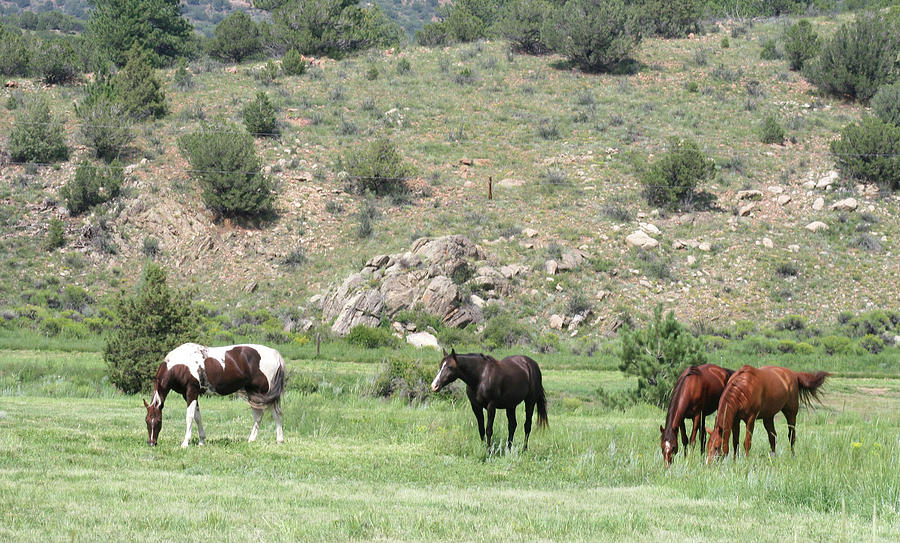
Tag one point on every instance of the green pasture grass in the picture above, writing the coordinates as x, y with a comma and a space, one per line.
359, 468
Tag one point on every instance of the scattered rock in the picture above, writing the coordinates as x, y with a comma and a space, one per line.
746, 209
816, 226
231, 70
476, 300
819, 204
557, 322
423, 339
251, 287
511, 270
649, 228
571, 259
705, 246
776, 189
750, 195
793, 248
639, 238
767, 243
810, 185
529, 232
783, 199
466, 161
827, 180
691, 260
550, 267
847, 204
509, 182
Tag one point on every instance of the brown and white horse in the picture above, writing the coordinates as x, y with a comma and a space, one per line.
254, 371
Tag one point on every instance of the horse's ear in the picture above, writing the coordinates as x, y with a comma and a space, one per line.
443, 350
662, 430
146, 405
453, 352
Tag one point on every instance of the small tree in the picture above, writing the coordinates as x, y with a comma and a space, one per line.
801, 43
522, 22
56, 235
870, 151
657, 355
92, 186
379, 168
37, 136
858, 59
224, 161
770, 131
55, 62
105, 128
293, 63
672, 18
14, 53
237, 37
259, 116
148, 325
138, 89
886, 104
597, 35
156, 27
671, 180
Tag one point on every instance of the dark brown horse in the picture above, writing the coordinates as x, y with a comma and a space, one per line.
254, 371
696, 394
752, 394
492, 385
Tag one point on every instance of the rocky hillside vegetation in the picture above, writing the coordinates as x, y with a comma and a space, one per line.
566, 240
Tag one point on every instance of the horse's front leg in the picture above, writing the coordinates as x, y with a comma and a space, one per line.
489, 429
190, 396
200, 431
695, 428
257, 416
479, 416
684, 438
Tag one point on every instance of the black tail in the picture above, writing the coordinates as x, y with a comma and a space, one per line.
809, 385
541, 401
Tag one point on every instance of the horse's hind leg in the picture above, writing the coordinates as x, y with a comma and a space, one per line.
769, 423
276, 414
529, 411
702, 433
792, 430
257, 416
511, 419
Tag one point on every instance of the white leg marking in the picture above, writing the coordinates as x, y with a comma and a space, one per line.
257, 415
199, 426
276, 414
188, 418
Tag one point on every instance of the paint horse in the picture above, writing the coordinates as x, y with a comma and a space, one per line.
696, 394
752, 394
492, 385
253, 371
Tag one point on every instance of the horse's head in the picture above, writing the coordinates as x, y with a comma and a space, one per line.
448, 372
717, 444
668, 442
154, 421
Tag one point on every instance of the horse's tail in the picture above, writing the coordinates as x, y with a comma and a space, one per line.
276, 389
809, 384
540, 399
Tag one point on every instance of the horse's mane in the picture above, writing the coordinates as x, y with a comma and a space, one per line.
676, 392
735, 393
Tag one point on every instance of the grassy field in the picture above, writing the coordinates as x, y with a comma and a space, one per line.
74, 465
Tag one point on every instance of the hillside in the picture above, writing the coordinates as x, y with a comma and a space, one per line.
563, 148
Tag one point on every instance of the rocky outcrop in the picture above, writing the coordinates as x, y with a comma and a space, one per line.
429, 275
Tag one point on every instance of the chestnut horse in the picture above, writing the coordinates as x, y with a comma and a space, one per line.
696, 394
492, 385
253, 371
753, 393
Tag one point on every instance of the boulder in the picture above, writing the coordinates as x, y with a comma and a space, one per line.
650, 228
399, 292
334, 301
441, 296
783, 199
639, 238
462, 316
847, 204
550, 267
827, 180
816, 226
363, 308
557, 322
819, 204
423, 339
571, 259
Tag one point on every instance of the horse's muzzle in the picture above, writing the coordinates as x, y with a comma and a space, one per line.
151, 444
435, 388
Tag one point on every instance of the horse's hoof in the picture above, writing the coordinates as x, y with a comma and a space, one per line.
184, 445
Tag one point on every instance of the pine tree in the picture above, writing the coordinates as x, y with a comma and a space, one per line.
156, 27
657, 355
138, 89
148, 325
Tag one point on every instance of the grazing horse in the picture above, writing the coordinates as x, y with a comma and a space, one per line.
753, 393
253, 371
492, 385
696, 394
